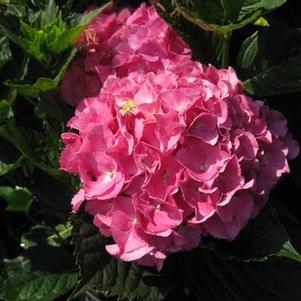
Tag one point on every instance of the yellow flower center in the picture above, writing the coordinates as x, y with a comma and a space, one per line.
110, 174
129, 106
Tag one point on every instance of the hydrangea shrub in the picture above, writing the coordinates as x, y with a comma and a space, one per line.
171, 178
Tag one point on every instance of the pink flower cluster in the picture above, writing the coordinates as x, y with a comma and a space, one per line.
168, 150
120, 43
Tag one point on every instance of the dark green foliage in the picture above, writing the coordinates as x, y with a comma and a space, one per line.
261, 39
101, 271
216, 271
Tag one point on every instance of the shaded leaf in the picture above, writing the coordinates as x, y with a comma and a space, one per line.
27, 142
36, 236
267, 48
16, 8
208, 277
288, 251
263, 237
224, 16
5, 110
103, 272
43, 85
7, 168
280, 79
270, 61
45, 235
21, 283
33, 48
62, 260
18, 199
5, 53
201, 274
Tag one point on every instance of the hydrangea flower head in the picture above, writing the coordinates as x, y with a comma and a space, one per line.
172, 153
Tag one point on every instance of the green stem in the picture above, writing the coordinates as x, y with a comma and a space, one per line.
226, 49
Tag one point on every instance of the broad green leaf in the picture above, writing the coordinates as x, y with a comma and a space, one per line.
267, 48
101, 271
20, 282
5, 53
28, 143
270, 62
18, 199
224, 16
263, 237
6, 168
206, 276
280, 79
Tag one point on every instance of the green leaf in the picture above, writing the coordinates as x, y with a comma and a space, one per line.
28, 142
5, 53
16, 8
32, 47
7, 168
5, 110
18, 199
63, 232
45, 235
263, 237
69, 37
22, 283
36, 236
288, 251
281, 79
270, 61
44, 85
263, 22
201, 274
101, 271
224, 16
48, 34
206, 276
267, 48
41, 85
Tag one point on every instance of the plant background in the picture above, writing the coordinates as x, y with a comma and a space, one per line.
38, 236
